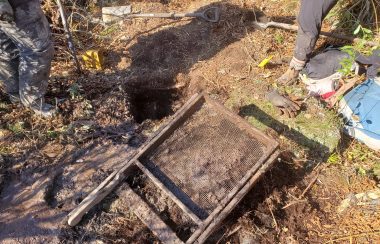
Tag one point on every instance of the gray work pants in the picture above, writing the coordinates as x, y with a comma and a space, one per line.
26, 51
310, 20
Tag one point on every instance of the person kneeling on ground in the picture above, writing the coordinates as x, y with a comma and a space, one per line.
26, 54
310, 19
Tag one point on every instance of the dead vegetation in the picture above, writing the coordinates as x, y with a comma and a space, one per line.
349, 14
151, 67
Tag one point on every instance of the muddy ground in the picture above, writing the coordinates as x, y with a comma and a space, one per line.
152, 67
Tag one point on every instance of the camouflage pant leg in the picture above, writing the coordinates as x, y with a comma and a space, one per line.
9, 62
31, 34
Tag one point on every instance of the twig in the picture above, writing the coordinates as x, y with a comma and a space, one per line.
375, 13
249, 55
353, 6
274, 219
292, 203
299, 199
309, 186
234, 231
68, 36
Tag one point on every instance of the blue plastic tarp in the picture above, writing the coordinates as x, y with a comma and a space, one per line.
361, 110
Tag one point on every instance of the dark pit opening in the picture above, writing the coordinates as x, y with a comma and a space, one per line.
152, 104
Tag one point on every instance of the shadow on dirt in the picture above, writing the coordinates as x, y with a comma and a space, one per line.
321, 151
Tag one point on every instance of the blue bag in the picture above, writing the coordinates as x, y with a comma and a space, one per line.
361, 110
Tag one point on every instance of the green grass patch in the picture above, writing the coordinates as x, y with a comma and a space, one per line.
318, 130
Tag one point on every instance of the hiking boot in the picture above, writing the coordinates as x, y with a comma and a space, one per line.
289, 77
43, 109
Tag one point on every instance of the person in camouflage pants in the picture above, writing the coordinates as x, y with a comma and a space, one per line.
26, 53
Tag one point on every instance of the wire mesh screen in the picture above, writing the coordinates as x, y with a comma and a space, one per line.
206, 157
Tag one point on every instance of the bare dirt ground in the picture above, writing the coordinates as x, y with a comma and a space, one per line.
152, 66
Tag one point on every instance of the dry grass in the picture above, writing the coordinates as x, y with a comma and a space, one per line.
349, 14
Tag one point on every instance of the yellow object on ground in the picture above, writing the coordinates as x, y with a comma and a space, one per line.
265, 62
93, 59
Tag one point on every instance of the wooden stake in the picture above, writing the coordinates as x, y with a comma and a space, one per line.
68, 36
